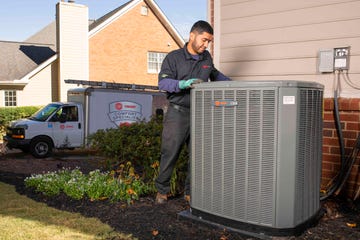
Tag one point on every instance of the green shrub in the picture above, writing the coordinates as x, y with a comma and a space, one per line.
7, 114
139, 143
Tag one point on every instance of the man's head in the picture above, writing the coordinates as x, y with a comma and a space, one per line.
201, 34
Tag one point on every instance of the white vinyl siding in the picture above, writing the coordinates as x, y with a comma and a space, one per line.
281, 39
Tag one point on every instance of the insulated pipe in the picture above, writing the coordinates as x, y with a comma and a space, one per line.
339, 176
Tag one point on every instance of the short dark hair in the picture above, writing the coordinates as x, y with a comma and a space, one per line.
202, 26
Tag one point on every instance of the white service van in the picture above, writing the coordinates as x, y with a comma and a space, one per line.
66, 125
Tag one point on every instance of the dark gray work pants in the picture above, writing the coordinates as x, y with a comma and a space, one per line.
176, 132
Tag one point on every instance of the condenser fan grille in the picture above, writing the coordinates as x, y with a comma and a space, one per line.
235, 153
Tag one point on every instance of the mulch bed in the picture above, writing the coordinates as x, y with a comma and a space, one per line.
145, 220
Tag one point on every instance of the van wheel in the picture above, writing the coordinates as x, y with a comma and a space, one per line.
41, 147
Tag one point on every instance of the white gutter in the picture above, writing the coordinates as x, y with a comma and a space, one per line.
15, 82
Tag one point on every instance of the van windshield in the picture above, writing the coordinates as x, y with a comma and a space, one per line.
44, 113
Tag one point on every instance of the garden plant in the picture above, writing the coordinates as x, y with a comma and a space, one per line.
132, 155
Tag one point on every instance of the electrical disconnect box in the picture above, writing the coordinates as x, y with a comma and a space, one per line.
334, 59
341, 58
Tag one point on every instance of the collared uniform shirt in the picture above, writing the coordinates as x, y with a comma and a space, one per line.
181, 65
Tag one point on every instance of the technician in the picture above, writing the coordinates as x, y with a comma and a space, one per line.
181, 69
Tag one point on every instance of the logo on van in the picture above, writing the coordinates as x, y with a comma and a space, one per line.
124, 112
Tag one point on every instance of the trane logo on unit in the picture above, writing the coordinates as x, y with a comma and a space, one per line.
224, 103
124, 113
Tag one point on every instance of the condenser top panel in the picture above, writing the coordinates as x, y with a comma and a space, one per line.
259, 84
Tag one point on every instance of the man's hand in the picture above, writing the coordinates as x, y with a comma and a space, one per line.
185, 84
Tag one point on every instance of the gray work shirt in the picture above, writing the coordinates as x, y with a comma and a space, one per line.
181, 65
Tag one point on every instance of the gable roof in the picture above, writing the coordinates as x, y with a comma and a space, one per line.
17, 59
20, 60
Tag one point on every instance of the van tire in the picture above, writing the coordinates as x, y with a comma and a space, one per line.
41, 147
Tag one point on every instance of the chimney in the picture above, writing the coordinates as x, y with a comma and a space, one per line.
72, 44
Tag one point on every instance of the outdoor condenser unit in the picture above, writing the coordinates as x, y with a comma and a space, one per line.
256, 150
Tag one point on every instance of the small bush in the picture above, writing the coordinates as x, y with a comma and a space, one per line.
8, 114
139, 143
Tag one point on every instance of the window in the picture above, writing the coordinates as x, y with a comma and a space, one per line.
10, 98
66, 114
71, 113
155, 60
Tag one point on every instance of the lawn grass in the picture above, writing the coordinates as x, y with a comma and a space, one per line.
24, 218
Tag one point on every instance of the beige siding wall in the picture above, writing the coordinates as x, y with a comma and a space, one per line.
118, 53
2, 98
39, 84
280, 39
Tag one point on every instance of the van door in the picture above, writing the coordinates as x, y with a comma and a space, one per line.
67, 127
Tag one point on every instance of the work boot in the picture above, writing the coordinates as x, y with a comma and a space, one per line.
160, 198
187, 198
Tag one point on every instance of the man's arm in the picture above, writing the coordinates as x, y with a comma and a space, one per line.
222, 77
166, 80
169, 85
216, 75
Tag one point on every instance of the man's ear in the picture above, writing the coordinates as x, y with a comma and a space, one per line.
192, 36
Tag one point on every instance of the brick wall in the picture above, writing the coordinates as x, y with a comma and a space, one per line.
349, 110
118, 53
